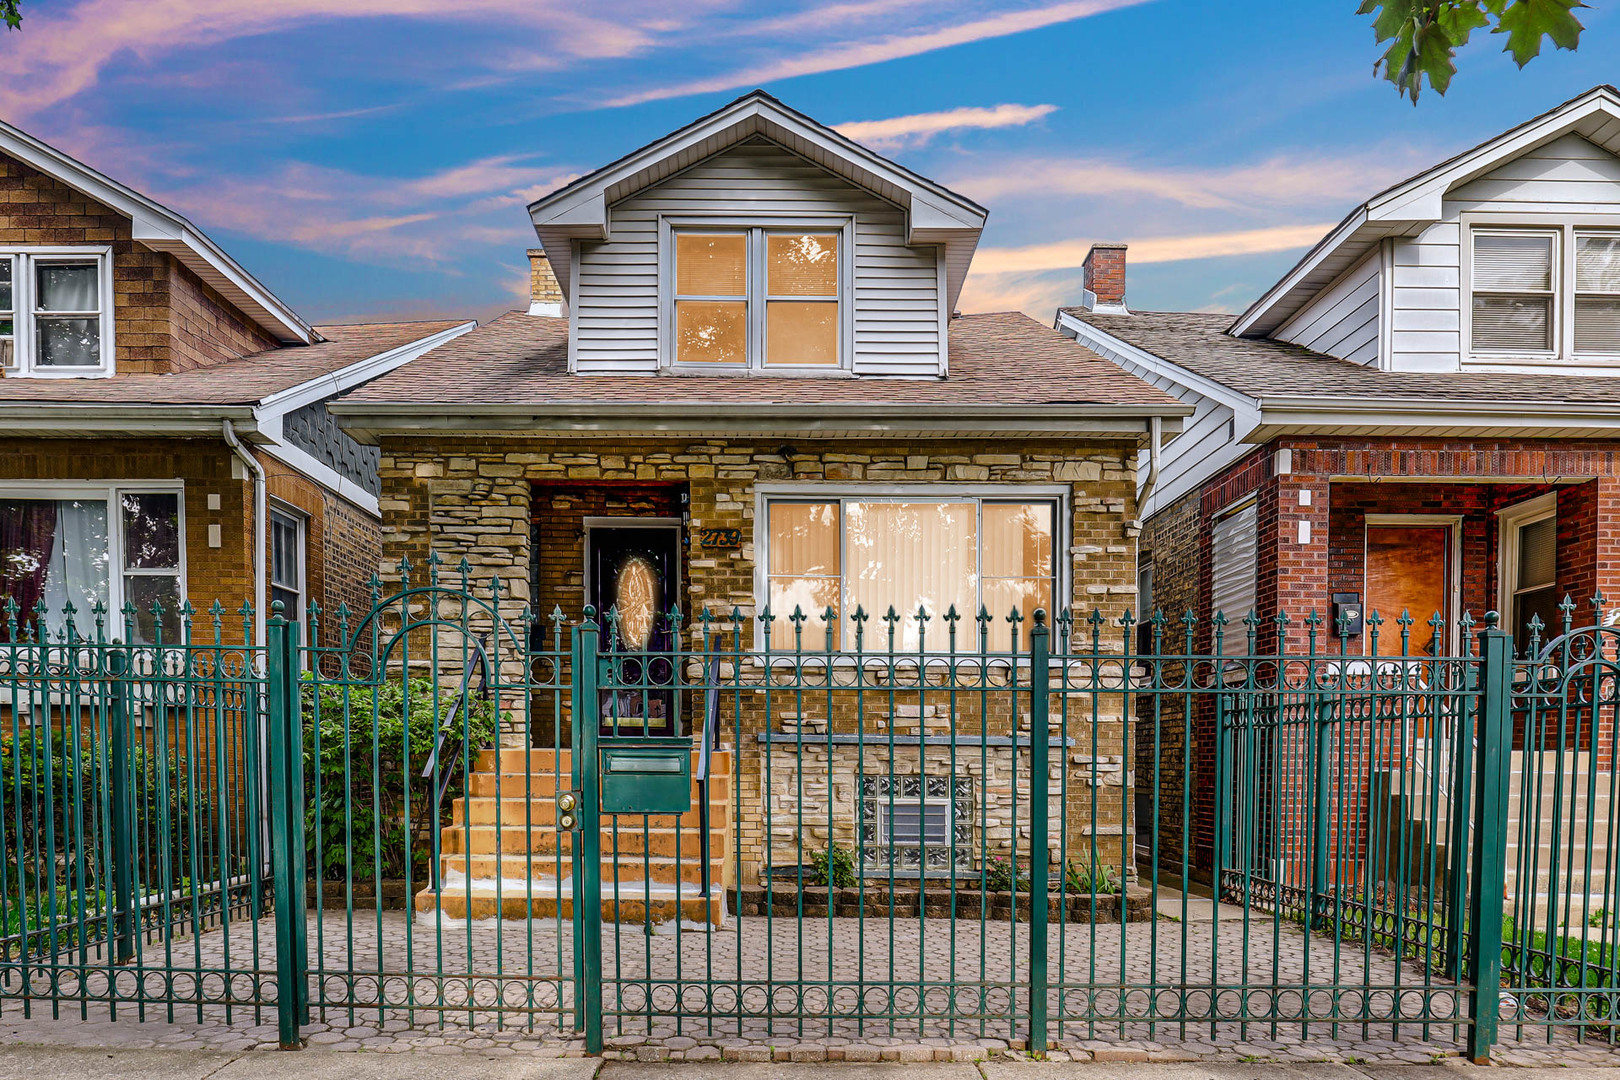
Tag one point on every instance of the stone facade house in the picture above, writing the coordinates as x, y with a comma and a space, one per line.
163, 427
1420, 417
743, 369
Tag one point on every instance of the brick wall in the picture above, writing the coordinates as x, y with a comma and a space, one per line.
165, 318
343, 540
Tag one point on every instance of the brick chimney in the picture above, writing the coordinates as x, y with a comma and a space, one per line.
545, 291
1103, 275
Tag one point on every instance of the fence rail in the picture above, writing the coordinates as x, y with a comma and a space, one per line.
447, 810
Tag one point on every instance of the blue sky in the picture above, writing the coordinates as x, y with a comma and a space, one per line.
372, 158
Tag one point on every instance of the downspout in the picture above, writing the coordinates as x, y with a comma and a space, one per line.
260, 516
1155, 437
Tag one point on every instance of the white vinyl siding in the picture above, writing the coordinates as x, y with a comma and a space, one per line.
1343, 320
1233, 574
1568, 179
896, 295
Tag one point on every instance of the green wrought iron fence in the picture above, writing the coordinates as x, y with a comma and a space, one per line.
132, 817
448, 811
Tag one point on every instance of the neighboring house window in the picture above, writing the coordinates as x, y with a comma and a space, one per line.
56, 312
83, 545
1233, 574
758, 298
909, 553
1529, 568
1144, 604
287, 563
1514, 277
1546, 293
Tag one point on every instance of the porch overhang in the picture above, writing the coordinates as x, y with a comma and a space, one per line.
368, 422
1448, 418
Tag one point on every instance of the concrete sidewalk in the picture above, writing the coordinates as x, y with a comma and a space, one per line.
65, 1063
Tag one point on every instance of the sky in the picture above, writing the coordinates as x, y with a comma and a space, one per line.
373, 158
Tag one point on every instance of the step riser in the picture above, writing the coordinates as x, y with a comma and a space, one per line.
545, 870
517, 760
482, 840
517, 812
625, 910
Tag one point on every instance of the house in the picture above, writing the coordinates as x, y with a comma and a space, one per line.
1419, 418
742, 386
163, 427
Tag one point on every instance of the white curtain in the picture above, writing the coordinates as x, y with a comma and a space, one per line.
909, 555
78, 570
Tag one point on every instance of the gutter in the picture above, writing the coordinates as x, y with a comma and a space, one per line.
260, 528
1516, 416
1155, 441
57, 418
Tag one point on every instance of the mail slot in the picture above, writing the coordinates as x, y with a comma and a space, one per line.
647, 779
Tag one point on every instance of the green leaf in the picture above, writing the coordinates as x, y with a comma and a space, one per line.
1526, 22
9, 11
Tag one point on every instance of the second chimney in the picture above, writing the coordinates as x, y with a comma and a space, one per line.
1103, 277
545, 291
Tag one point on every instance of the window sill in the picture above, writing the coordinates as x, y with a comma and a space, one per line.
73, 373
880, 739
737, 371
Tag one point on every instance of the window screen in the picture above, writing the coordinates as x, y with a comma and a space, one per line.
1513, 292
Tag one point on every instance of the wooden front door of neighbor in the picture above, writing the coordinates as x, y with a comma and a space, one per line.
1409, 568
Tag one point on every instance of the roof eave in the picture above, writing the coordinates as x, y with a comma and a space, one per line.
370, 420
50, 419
1432, 417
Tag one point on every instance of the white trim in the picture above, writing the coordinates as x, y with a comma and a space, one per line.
323, 474
756, 228
1454, 524
25, 260
160, 228
110, 491
345, 378
1509, 521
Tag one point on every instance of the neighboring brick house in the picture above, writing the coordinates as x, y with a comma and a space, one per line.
1422, 416
758, 360
163, 432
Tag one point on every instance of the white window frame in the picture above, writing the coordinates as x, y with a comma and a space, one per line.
758, 227
112, 491
1566, 228
24, 259
967, 634
1511, 521
301, 520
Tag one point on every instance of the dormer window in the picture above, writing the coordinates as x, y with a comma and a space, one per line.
1550, 294
56, 312
758, 298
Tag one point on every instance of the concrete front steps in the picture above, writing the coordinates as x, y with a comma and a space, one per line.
502, 855
1541, 785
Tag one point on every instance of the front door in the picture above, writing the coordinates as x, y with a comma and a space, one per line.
633, 577
1409, 569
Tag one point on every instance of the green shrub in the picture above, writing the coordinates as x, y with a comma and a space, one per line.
355, 794
54, 800
1002, 875
833, 868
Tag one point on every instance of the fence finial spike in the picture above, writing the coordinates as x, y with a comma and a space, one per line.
1491, 619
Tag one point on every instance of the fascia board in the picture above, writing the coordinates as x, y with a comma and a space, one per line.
1280, 414
336, 382
1302, 269
126, 419
1203, 384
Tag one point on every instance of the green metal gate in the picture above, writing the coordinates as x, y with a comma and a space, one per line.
446, 810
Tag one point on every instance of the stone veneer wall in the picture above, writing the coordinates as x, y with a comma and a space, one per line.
471, 498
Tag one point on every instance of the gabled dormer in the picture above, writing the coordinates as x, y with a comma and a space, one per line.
757, 241
1505, 257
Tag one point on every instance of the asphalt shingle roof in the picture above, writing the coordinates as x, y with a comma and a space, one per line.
1262, 368
1004, 358
234, 382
